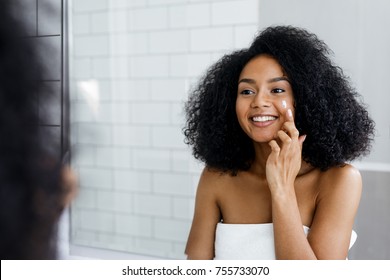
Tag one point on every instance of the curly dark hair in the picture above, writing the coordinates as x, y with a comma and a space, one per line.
327, 108
30, 176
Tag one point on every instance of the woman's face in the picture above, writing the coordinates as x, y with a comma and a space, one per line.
264, 94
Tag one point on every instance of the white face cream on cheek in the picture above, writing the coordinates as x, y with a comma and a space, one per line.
284, 104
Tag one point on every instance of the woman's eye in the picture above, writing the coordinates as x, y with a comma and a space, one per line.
277, 90
247, 92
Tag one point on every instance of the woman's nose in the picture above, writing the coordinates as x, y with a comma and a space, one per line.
260, 100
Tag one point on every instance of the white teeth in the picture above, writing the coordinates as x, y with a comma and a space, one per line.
263, 118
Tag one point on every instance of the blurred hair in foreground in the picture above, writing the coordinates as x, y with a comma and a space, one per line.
33, 182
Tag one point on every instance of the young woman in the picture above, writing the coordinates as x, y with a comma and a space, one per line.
276, 125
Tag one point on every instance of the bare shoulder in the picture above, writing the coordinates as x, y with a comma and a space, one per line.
345, 178
212, 181
340, 185
214, 176
347, 170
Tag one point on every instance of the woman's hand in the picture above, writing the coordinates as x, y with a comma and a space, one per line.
69, 185
284, 162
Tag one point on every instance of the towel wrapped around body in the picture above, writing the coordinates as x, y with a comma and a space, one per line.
249, 241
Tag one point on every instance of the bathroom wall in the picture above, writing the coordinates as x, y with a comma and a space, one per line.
132, 64
372, 223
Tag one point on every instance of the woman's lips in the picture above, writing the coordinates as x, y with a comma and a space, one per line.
263, 120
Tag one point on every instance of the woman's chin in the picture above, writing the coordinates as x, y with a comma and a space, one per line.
262, 139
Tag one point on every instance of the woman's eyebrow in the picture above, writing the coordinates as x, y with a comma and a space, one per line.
277, 79
246, 80
272, 80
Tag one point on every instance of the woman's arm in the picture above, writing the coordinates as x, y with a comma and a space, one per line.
200, 244
336, 205
283, 165
331, 228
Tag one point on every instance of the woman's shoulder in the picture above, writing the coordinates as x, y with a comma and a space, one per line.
342, 180
213, 178
215, 183
335, 174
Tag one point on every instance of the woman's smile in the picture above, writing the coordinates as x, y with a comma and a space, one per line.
263, 120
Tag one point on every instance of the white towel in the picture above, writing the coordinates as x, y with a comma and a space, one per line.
249, 241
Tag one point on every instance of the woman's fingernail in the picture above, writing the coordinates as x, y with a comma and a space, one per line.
289, 112
284, 103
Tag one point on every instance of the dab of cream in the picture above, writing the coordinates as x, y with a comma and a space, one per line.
284, 104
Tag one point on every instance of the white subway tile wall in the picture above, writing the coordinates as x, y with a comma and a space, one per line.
132, 66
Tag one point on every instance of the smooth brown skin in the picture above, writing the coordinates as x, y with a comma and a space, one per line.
280, 187
69, 185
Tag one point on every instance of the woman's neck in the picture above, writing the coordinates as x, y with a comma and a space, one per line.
262, 152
